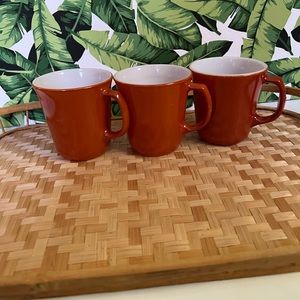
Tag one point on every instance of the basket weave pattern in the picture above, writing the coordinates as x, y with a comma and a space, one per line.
123, 209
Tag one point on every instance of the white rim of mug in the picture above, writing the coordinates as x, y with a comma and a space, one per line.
193, 68
43, 87
131, 69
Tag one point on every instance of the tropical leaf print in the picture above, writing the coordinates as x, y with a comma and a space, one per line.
211, 49
264, 28
36, 114
12, 120
166, 25
15, 18
297, 4
51, 49
122, 50
116, 13
206, 22
16, 75
266, 97
284, 42
288, 68
222, 10
73, 16
78, 14
16, 119
242, 14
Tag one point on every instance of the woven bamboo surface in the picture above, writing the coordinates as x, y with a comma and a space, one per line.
124, 221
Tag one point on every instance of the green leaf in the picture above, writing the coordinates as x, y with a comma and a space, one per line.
13, 120
116, 13
221, 10
16, 76
79, 14
74, 16
12, 62
266, 97
166, 25
122, 50
15, 18
284, 42
211, 49
288, 68
16, 73
296, 31
217, 10
12, 86
206, 22
297, 4
241, 18
36, 114
115, 109
52, 53
264, 28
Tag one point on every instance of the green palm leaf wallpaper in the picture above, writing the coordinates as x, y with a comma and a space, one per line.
40, 36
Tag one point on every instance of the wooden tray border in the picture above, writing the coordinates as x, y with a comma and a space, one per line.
108, 279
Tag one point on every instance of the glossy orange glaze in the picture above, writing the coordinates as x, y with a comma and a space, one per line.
234, 101
79, 119
157, 115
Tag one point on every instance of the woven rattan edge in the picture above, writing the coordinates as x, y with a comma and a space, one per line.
11, 131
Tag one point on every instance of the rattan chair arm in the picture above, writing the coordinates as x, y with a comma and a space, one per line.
293, 91
19, 108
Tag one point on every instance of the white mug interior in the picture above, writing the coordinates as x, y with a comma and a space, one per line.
152, 74
72, 79
228, 66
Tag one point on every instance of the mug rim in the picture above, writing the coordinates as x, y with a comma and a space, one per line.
43, 87
170, 66
193, 66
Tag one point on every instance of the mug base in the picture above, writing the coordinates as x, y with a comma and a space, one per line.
153, 154
80, 157
222, 143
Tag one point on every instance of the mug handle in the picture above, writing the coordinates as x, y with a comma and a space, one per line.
257, 119
202, 88
125, 114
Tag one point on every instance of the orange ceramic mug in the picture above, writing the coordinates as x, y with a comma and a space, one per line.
235, 84
156, 98
76, 104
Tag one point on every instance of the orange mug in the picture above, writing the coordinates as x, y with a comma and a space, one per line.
234, 84
156, 99
76, 104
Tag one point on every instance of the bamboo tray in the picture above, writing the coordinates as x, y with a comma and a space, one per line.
123, 221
